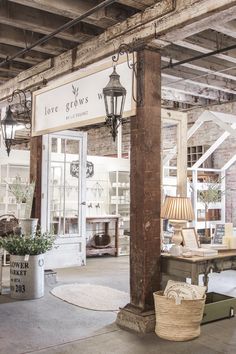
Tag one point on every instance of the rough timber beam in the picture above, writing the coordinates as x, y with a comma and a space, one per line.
165, 17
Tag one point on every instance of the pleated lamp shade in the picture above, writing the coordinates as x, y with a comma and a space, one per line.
177, 208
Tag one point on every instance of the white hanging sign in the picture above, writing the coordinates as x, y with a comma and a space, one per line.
78, 101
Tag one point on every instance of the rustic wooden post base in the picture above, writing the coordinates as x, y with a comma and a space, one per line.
133, 319
145, 179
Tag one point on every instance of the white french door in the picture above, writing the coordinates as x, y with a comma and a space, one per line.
63, 197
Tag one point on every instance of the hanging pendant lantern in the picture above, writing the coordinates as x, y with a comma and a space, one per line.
8, 125
114, 97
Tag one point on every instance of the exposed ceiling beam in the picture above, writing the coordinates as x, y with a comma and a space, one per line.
32, 57
228, 28
137, 4
171, 95
74, 8
185, 75
20, 38
197, 91
192, 44
38, 21
208, 66
138, 29
15, 68
204, 22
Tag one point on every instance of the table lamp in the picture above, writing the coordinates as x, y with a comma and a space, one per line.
178, 210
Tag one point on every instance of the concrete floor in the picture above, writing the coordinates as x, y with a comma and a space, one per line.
51, 326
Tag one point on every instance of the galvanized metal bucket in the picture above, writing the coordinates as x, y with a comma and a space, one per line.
28, 226
27, 277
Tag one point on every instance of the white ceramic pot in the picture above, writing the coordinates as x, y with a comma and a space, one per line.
28, 226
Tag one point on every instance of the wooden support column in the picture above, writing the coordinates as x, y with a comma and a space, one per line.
145, 197
35, 174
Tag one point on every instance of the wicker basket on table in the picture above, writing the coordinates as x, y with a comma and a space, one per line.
177, 322
8, 224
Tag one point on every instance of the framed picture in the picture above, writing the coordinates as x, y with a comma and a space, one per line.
190, 238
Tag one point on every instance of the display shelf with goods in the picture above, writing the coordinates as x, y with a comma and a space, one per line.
208, 196
120, 205
8, 174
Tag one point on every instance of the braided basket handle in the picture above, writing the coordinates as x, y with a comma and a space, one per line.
8, 216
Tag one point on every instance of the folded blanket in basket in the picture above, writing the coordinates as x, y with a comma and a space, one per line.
184, 291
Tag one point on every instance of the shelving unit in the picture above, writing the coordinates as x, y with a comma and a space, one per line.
216, 211
8, 173
120, 205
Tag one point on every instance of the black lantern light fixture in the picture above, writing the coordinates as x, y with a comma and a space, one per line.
114, 96
114, 93
10, 124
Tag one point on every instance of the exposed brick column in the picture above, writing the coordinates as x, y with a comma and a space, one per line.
145, 196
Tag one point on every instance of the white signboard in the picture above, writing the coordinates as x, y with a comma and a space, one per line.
78, 101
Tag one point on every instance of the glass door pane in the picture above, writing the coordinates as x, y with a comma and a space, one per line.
64, 186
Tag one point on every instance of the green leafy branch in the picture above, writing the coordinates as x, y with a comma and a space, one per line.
35, 244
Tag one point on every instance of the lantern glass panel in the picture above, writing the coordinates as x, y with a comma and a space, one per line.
9, 131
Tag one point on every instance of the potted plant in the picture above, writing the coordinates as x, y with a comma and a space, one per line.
27, 263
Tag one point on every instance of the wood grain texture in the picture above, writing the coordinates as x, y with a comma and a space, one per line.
36, 169
146, 184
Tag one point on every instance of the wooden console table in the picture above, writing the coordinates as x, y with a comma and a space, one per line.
106, 219
180, 268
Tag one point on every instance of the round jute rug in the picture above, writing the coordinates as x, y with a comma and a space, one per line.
92, 297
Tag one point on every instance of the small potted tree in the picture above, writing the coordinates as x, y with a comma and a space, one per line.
27, 263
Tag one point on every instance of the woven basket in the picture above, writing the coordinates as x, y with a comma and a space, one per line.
177, 322
8, 223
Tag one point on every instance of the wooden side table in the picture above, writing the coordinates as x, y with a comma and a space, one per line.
106, 219
180, 268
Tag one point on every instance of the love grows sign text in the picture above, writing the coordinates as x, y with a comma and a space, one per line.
77, 101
